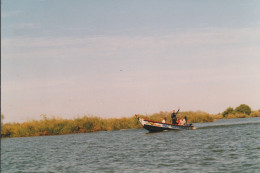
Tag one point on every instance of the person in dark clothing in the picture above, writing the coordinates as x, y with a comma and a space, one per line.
174, 114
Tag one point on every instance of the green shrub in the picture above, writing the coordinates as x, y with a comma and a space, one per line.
243, 108
229, 110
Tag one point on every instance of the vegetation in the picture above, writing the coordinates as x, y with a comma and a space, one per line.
241, 109
59, 126
229, 110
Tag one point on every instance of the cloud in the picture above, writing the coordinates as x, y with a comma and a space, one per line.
111, 45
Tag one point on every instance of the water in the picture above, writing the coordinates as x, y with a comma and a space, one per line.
221, 146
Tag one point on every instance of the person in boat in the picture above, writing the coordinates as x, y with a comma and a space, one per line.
189, 124
178, 121
164, 120
182, 122
173, 116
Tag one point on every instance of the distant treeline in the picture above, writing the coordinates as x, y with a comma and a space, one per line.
59, 126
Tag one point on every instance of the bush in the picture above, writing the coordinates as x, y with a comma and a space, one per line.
243, 108
229, 110
255, 113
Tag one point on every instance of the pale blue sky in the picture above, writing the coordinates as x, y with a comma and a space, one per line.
118, 58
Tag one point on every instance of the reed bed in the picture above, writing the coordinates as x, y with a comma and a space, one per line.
58, 126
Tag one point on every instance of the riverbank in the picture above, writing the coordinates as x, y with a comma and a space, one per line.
59, 126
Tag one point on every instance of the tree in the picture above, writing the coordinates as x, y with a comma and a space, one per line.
243, 108
229, 110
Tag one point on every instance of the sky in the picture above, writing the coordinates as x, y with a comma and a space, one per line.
117, 58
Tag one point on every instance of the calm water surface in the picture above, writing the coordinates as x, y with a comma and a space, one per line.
222, 146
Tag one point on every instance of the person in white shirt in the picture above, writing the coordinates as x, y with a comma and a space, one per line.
164, 120
182, 121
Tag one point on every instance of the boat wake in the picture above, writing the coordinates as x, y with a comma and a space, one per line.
227, 123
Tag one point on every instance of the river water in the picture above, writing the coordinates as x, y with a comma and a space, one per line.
223, 146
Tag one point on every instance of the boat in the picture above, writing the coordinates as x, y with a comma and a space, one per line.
154, 126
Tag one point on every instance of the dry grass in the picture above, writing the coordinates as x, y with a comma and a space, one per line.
59, 126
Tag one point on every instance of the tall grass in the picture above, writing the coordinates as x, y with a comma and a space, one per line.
58, 126
85, 124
